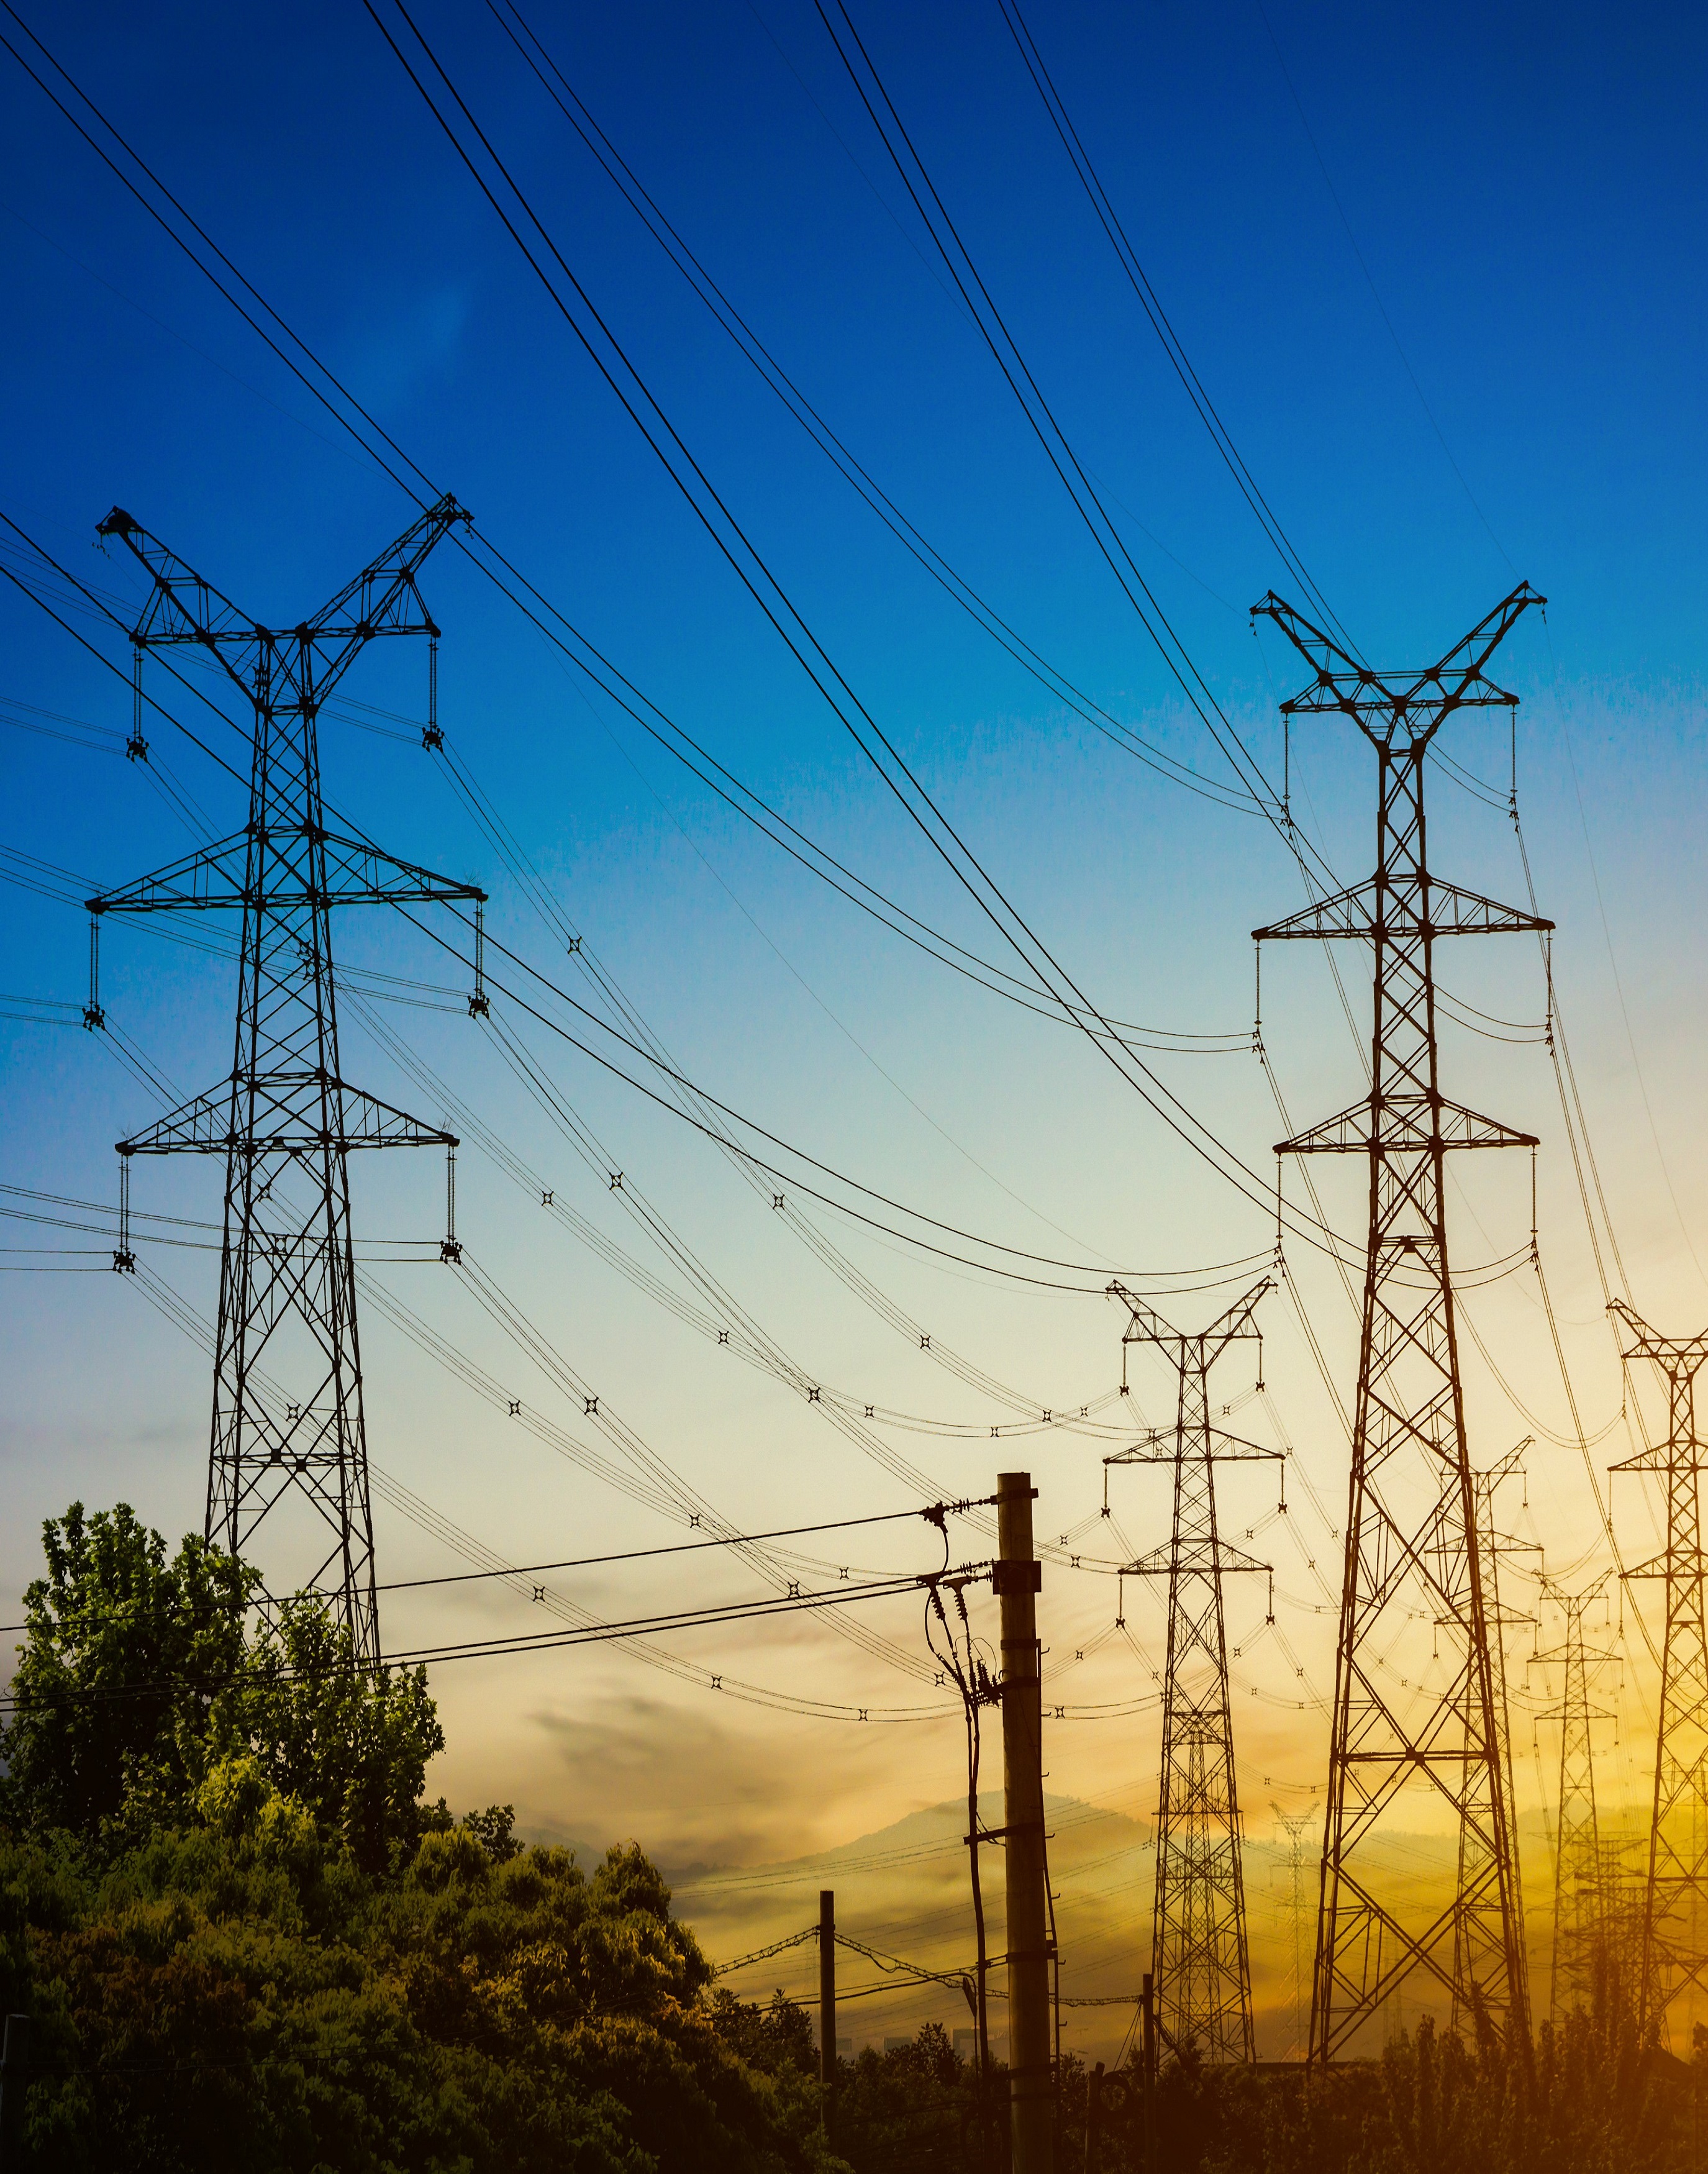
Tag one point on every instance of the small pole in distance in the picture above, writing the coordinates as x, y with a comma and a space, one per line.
827, 1996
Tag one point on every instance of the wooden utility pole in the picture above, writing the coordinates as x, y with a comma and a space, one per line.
1018, 1578
827, 1990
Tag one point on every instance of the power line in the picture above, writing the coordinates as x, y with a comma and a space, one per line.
1109, 221
559, 90
1074, 1005
744, 559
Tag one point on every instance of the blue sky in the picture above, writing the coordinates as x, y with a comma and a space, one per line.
1439, 271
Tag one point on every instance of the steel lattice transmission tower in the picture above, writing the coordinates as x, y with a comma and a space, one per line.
288, 1426
1581, 1917
1491, 1544
1673, 1960
1296, 1825
1199, 1957
1411, 1534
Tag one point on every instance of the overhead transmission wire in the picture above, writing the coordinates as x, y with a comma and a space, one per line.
751, 569
916, 179
260, 331
715, 1313
1109, 220
625, 1554
689, 1088
563, 94
1074, 1004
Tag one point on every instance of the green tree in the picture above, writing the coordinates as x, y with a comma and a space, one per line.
139, 1675
351, 1746
125, 1654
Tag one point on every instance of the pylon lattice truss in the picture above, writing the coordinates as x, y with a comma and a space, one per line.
1411, 1533
1673, 1965
288, 1423
1579, 1915
1200, 1959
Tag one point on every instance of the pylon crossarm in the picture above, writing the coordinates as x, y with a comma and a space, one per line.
371, 876
1465, 660
1147, 1326
181, 606
1449, 910
1457, 681
1208, 1559
374, 601
1408, 1124
218, 1124
1676, 1356
356, 874
1318, 649
214, 877
305, 662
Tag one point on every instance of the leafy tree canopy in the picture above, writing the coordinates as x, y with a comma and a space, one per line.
141, 1673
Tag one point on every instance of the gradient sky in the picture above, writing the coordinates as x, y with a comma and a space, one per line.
1441, 272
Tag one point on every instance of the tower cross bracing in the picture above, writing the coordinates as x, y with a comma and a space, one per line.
1411, 1527
1200, 1961
1673, 1959
289, 1425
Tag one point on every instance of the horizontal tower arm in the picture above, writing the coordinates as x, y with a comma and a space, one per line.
277, 1126
357, 874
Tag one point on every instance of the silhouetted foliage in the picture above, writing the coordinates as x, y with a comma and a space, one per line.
246, 1941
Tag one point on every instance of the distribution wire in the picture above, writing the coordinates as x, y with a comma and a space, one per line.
930, 1515
505, 1646
189, 1323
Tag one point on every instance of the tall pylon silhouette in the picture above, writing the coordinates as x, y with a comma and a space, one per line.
1200, 1958
1296, 1826
1492, 1544
1411, 1530
289, 1425
1673, 1965
1581, 1916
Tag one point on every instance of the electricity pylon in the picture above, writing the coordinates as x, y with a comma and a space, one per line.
1491, 1544
287, 1121
1411, 1544
1579, 1912
1200, 1959
1296, 1825
1672, 1961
